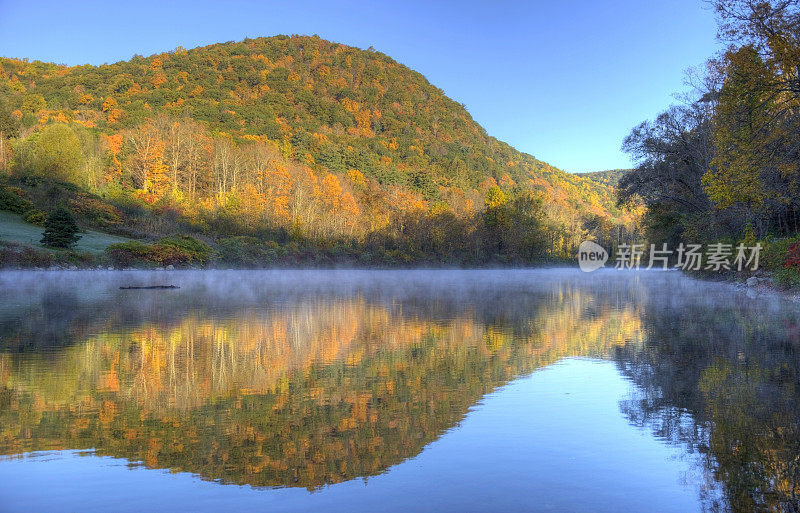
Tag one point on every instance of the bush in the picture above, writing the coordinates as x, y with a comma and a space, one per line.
35, 216
13, 200
788, 278
168, 255
792, 258
242, 251
773, 254
32, 180
95, 211
12, 255
127, 254
195, 252
77, 258
126, 204
179, 251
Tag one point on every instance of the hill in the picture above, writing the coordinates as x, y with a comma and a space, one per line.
295, 139
609, 178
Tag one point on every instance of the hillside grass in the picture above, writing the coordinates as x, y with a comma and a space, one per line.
14, 229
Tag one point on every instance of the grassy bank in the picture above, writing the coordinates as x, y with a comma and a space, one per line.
15, 230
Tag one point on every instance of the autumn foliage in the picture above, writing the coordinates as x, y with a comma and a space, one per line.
327, 144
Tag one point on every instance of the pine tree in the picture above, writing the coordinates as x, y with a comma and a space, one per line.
60, 229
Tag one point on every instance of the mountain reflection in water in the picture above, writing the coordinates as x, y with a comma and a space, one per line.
309, 378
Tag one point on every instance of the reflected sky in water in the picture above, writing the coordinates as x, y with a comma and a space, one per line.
547, 390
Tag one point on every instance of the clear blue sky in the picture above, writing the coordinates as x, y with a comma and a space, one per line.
563, 80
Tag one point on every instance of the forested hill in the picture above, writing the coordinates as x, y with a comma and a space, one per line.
298, 133
610, 178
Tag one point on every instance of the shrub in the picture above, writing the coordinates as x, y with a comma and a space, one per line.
7, 256
126, 254
12, 255
127, 204
774, 252
242, 251
35, 216
95, 211
32, 180
78, 258
13, 200
180, 251
60, 229
194, 250
788, 278
168, 255
792, 258
30, 257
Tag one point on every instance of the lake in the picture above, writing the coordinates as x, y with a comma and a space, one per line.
489, 390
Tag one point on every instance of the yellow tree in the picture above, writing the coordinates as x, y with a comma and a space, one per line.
743, 136
113, 145
146, 152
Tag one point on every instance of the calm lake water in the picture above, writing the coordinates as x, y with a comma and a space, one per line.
545, 390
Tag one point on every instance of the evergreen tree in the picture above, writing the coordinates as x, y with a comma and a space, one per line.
60, 229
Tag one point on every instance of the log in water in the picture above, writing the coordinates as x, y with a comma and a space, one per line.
149, 287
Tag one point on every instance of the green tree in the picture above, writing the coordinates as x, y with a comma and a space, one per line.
9, 126
60, 229
55, 152
33, 103
525, 238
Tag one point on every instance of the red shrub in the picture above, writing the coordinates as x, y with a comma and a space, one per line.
792, 260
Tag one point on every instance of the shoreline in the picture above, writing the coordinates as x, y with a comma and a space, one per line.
766, 288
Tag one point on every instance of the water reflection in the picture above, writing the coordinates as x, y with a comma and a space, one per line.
302, 379
720, 377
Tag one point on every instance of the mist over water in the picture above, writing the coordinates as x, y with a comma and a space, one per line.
439, 390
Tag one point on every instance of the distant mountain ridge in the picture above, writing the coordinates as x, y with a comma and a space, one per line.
610, 177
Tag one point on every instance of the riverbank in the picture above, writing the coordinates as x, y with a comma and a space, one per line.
171, 253
754, 283
777, 270
764, 283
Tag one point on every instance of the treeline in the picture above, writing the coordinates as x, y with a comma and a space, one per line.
171, 176
296, 139
725, 164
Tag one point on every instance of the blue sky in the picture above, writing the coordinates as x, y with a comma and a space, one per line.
562, 80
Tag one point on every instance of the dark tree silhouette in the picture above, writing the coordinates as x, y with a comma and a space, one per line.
60, 229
